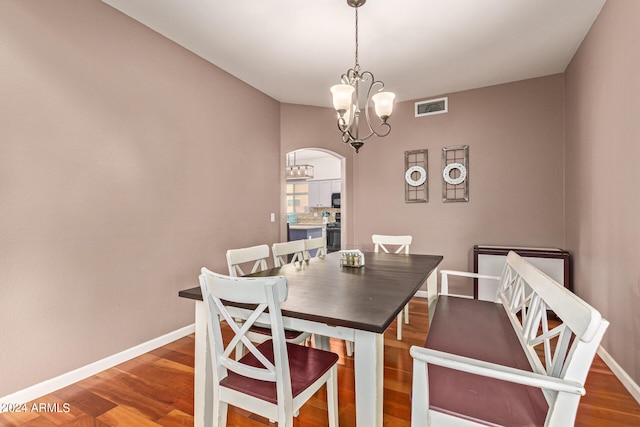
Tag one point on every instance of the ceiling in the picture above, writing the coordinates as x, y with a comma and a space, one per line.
294, 50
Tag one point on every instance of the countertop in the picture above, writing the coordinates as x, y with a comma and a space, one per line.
305, 226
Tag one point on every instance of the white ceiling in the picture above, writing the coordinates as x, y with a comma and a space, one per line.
294, 50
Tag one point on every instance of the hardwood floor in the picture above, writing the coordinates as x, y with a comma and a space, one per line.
156, 389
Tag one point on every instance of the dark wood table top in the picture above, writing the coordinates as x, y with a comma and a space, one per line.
366, 298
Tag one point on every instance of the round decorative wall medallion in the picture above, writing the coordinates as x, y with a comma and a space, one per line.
422, 176
446, 173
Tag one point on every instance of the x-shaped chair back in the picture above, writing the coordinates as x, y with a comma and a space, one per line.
267, 293
318, 243
281, 250
402, 243
256, 254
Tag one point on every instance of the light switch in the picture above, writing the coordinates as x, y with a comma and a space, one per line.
273, 217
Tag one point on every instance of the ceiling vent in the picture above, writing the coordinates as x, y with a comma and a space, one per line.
432, 106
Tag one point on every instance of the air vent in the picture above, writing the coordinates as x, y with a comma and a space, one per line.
432, 106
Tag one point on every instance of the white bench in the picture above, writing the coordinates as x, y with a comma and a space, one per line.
499, 363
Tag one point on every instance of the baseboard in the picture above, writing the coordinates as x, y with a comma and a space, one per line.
422, 294
620, 373
49, 386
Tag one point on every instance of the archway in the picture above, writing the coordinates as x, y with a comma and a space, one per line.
316, 201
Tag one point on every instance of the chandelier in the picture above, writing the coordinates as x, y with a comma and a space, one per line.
346, 100
296, 172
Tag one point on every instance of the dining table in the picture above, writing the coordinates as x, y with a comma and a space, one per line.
331, 300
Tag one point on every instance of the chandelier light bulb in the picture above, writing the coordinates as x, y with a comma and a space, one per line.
342, 98
383, 102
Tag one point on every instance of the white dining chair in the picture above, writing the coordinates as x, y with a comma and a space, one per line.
258, 255
397, 245
319, 244
275, 378
282, 250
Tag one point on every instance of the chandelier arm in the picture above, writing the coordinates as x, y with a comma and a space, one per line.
376, 133
350, 76
373, 132
343, 126
376, 86
345, 131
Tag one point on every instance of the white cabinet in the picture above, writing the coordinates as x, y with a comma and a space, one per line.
313, 194
320, 192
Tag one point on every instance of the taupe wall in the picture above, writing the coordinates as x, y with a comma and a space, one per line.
515, 137
602, 153
120, 176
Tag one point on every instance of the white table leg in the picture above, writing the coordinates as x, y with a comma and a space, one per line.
203, 373
432, 292
321, 342
369, 374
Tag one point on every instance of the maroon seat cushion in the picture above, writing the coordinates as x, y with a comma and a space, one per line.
480, 330
306, 365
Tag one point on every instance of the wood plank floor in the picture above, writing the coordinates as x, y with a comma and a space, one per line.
156, 389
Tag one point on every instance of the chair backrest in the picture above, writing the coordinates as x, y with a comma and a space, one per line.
257, 254
527, 294
319, 243
281, 250
381, 241
268, 293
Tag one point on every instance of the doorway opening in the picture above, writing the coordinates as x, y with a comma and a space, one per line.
315, 204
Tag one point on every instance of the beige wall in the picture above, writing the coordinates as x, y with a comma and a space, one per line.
117, 168
602, 151
515, 137
120, 176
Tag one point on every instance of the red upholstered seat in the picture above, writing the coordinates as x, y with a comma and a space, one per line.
306, 365
468, 328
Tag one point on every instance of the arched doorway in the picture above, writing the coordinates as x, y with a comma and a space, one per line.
314, 204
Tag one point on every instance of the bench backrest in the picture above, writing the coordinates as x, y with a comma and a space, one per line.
567, 350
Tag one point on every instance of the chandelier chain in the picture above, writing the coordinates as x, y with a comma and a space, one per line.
357, 67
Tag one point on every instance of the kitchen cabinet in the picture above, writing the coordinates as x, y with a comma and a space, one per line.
302, 232
320, 192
